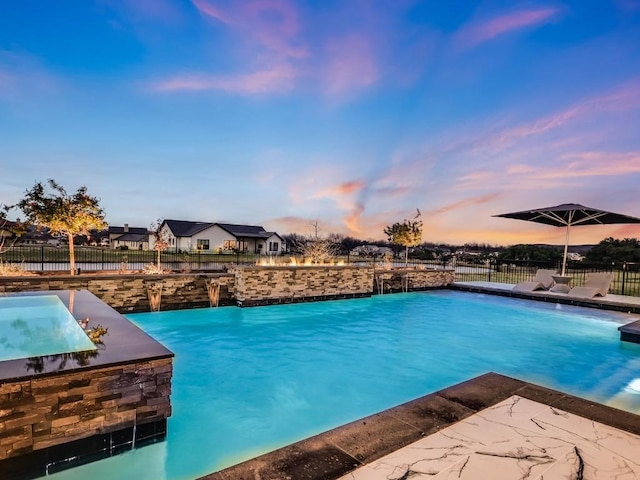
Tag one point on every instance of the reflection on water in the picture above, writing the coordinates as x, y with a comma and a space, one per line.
38, 325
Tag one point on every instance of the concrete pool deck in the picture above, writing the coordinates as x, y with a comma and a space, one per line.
491, 426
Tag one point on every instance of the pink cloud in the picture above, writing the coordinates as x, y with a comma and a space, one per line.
479, 32
621, 98
351, 63
280, 79
465, 203
273, 24
208, 9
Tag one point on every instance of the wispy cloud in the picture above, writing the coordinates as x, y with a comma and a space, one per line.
481, 31
465, 203
345, 196
278, 79
273, 24
22, 78
351, 63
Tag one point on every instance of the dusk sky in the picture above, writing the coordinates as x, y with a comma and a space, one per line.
350, 112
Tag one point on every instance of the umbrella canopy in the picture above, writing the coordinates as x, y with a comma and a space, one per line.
568, 215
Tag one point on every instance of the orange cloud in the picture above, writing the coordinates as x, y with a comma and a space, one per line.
479, 32
352, 221
345, 188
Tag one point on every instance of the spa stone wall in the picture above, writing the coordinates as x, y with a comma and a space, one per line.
44, 412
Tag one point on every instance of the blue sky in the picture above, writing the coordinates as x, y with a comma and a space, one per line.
352, 113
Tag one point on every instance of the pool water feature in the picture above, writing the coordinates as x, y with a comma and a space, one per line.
34, 326
247, 381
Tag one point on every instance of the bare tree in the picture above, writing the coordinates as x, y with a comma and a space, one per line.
161, 240
317, 247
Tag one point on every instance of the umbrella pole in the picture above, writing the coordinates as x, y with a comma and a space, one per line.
566, 247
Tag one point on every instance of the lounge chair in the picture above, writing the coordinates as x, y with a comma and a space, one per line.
542, 281
596, 284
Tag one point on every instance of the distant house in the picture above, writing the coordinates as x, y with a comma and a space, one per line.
133, 238
220, 237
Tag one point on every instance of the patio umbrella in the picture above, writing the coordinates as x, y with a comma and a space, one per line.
568, 215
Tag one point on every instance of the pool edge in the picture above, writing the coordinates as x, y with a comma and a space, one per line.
339, 451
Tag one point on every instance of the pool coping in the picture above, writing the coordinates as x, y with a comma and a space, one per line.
332, 454
545, 296
124, 342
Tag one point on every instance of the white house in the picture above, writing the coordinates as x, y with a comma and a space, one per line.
220, 237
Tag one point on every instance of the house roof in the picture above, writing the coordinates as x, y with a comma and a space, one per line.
132, 237
252, 231
186, 228
113, 230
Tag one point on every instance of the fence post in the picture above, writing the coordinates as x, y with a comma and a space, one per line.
42, 258
102, 257
489, 274
624, 276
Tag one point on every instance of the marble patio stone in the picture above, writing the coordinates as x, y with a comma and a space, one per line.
516, 438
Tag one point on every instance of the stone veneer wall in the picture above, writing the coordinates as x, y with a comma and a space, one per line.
245, 286
42, 412
284, 284
392, 280
128, 292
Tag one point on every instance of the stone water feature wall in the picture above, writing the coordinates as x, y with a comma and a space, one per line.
263, 285
410, 279
127, 293
43, 412
244, 286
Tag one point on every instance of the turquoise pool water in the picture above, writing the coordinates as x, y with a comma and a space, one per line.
33, 326
247, 381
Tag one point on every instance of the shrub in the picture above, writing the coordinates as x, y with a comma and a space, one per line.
12, 270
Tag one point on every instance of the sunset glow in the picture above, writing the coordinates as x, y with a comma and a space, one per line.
350, 113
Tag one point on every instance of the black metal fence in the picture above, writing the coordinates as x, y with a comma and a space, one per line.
54, 259
625, 276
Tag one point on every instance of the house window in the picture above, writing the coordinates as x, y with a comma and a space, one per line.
242, 246
274, 246
229, 245
203, 244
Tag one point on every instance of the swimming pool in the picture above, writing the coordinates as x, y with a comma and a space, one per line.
33, 326
247, 381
